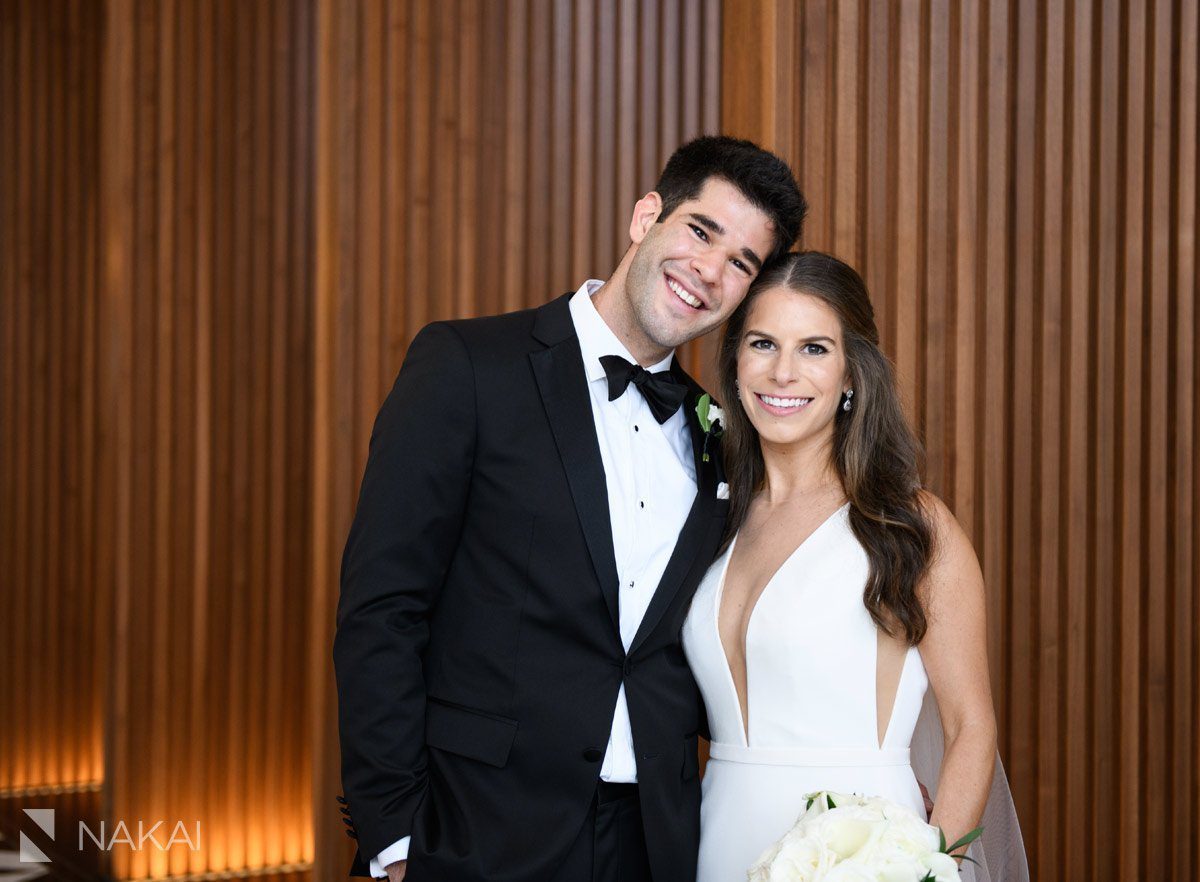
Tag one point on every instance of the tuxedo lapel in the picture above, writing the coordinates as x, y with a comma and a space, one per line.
691, 537
562, 383
706, 472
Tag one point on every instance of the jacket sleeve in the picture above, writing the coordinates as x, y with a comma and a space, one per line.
406, 527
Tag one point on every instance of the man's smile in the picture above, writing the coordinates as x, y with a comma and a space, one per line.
685, 294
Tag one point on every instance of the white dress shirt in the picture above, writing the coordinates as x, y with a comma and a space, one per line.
651, 479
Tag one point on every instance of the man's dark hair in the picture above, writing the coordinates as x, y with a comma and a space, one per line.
762, 177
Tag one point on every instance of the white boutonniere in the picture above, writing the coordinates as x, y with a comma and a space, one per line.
712, 420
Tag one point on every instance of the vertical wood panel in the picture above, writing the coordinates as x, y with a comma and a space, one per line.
200, 315
1130, 390
206, 346
1023, 175
1103, 413
1159, 771
8, 359
1185, 562
1079, 284
992, 543
99, 390
117, 198
49, 746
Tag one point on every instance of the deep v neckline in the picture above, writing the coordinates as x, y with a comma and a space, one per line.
743, 719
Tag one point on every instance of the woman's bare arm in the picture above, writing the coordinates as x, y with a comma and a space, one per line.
955, 655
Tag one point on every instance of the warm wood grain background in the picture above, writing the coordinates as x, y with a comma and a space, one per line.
1017, 182
206, 306
51, 597
222, 222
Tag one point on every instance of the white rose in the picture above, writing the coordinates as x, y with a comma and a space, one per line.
848, 828
909, 835
819, 797
760, 870
814, 807
874, 849
904, 840
848, 800
902, 870
716, 415
850, 871
797, 860
900, 814
899, 868
878, 802
847, 834
943, 867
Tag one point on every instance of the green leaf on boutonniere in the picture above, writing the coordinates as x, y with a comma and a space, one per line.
712, 420
710, 415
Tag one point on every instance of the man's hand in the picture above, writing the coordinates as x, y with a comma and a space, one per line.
396, 871
924, 796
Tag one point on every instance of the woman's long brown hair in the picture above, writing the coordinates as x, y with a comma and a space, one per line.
875, 453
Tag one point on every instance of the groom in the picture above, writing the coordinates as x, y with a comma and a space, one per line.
536, 512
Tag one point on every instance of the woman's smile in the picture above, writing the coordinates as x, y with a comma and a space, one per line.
780, 405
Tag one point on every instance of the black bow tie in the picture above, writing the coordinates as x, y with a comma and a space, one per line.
662, 391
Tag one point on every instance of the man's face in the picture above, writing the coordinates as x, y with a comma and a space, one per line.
692, 270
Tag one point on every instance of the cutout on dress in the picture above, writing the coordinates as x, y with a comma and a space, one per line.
890, 654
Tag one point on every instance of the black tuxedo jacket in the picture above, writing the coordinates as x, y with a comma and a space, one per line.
478, 650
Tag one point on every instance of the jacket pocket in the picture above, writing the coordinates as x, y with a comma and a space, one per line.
474, 734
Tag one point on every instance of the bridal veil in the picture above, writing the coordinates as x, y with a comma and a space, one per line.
999, 854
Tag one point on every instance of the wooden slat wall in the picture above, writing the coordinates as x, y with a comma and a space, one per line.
1017, 182
472, 157
222, 224
204, 329
50, 686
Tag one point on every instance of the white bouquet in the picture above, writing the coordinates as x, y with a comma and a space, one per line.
844, 838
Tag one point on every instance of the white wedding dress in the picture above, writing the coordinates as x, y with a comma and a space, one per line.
811, 671
811, 656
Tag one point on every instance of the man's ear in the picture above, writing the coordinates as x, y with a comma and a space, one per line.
645, 215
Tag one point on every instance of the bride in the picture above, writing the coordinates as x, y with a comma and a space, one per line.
844, 590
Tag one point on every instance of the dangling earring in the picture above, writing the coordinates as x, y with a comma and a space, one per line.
846, 403
737, 388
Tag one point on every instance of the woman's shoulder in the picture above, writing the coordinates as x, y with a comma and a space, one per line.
953, 560
944, 525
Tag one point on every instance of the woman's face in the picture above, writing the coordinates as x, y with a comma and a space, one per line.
791, 367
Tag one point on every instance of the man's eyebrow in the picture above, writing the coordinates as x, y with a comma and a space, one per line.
707, 222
